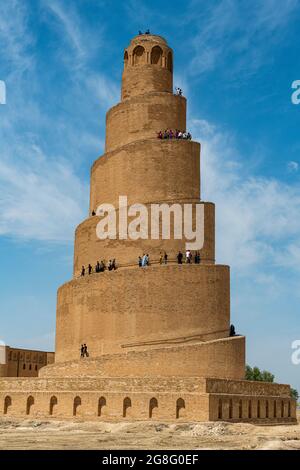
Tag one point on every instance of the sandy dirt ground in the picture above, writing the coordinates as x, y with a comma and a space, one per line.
29, 434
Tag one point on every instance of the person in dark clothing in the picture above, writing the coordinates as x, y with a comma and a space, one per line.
90, 269
179, 257
112, 265
82, 271
165, 258
97, 267
85, 351
82, 351
232, 330
140, 261
102, 266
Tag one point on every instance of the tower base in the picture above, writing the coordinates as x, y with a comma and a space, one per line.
169, 399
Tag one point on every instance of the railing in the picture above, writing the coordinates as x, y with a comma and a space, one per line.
208, 262
179, 339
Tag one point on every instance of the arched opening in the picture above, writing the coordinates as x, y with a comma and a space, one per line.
29, 404
156, 55
152, 405
267, 409
125, 59
275, 409
126, 405
282, 409
138, 55
249, 409
258, 409
170, 62
76, 404
220, 415
289, 409
7, 404
24, 366
53, 403
240, 409
230, 409
101, 404
180, 405
29, 366
36, 367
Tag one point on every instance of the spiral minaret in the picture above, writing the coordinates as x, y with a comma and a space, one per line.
117, 311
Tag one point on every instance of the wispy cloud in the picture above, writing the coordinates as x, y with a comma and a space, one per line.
258, 223
40, 200
106, 91
293, 167
79, 48
15, 39
73, 32
69, 20
242, 31
42, 197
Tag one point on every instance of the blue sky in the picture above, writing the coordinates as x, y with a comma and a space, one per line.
61, 61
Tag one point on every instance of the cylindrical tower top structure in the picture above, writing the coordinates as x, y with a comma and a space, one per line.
148, 66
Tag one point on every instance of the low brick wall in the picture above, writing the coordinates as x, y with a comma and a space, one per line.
140, 399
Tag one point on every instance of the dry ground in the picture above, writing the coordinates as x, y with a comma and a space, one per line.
35, 434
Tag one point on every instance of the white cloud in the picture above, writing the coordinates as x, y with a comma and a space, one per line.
257, 218
15, 39
293, 166
40, 199
71, 29
240, 30
106, 91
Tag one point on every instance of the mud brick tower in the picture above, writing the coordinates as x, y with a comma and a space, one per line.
158, 337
